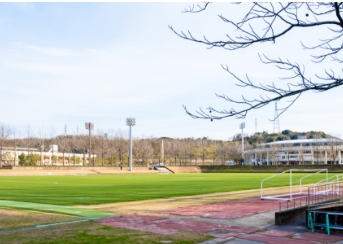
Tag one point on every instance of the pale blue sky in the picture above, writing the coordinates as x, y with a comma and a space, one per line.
70, 63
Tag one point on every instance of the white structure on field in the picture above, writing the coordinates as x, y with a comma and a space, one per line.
301, 151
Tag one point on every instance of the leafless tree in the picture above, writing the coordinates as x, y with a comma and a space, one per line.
63, 142
5, 133
170, 150
52, 134
174, 149
214, 147
317, 149
334, 145
301, 154
260, 153
289, 151
102, 142
224, 150
236, 151
157, 146
121, 144
142, 151
41, 137
247, 146
111, 146
79, 144
267, 23
29, 138
274, 152
185, 150
202, 144
15, 142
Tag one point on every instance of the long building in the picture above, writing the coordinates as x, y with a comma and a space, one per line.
301, 151
10, 155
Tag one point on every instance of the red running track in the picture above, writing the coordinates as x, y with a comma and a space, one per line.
226, 210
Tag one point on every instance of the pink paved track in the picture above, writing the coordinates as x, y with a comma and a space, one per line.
170, 226
164, 225
226, 210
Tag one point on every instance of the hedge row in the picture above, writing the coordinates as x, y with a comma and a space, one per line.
267, 168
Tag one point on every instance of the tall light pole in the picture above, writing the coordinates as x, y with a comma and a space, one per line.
130, 122
89, 126
242, 126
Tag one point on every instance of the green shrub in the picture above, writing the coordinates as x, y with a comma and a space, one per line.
22, 160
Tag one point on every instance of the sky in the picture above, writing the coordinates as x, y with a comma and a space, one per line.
64, 64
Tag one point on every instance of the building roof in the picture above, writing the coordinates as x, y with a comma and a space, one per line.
305, 141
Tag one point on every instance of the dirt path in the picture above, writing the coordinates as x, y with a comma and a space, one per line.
147, 206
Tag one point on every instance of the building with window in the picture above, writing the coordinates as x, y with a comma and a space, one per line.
300, 151
10, 156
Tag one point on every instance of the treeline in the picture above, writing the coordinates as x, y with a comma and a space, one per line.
112, 147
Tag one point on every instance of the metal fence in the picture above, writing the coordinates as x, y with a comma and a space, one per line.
300, 201
316, 195
327, 192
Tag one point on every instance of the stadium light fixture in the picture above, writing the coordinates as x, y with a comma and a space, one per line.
130, 122
89, 126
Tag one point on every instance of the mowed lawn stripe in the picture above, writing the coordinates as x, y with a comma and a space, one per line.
97, 189
86, 213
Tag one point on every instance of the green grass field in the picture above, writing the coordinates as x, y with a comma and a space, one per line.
97, 189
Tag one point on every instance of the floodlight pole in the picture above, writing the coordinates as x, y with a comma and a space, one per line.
130, 148
89, 126
242, 126
130, 122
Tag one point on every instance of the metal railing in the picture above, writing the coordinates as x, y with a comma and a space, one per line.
294, 203
327, 192
317, 196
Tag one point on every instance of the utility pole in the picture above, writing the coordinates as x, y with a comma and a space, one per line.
130, 122
255, 126
89, 126
162, 152
242, 126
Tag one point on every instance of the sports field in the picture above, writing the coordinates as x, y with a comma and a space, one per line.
97, 189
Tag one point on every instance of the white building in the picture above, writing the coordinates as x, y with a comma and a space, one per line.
10, 155
301, 151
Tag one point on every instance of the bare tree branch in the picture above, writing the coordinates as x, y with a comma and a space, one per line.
278, 20
191, 9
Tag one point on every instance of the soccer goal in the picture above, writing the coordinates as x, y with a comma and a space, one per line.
295, 190
334, 178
